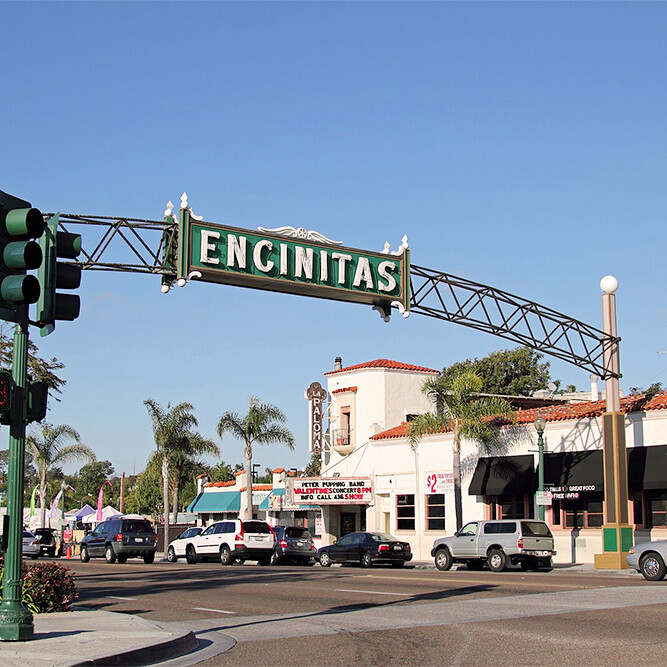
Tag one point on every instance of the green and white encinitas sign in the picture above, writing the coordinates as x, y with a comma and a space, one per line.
291, 260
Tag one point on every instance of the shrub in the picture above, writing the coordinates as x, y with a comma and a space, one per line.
47, 587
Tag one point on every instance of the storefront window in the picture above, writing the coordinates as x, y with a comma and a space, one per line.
508, 507
405, 511
583, 512
656, 508
435, 511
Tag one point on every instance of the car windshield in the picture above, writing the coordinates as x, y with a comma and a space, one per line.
256, 527
383, 537
298, 533
535, 529
136, 526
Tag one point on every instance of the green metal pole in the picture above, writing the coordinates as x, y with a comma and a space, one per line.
540, 473
15, 620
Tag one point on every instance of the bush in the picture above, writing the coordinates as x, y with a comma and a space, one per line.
47, 587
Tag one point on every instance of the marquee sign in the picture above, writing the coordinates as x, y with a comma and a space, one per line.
315, 395
331, 490
295, 261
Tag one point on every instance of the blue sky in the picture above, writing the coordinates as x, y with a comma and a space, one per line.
520, 145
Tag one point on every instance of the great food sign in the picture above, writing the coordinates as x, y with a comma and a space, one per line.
296, 261
331, 491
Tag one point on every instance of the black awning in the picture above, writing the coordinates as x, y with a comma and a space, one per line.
503, 475
647, 468
574, 471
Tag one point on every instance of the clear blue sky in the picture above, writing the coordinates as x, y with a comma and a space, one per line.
520, 145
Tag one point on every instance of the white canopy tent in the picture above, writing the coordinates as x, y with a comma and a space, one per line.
107, 513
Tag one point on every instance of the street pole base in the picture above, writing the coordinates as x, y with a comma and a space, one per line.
611, 560
15, 623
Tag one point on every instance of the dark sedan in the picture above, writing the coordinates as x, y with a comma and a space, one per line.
366, 549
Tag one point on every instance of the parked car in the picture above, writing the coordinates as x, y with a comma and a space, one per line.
30, 545
649, 558
120, 538
176, 547
293, 544
47, 541
366, 549
232, 540
497, 543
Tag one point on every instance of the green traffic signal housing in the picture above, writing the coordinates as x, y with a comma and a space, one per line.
53, 275
5, 396
19, 223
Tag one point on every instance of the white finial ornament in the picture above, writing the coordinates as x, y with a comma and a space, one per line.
169, 211
184, 200
609, 284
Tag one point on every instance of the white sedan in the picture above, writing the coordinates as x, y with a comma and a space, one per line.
31, 546
650, 559
176, 548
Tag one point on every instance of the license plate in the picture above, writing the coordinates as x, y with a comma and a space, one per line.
299, 544
138, 539
398, 547
542, 553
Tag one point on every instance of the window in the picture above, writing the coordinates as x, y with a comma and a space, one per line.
500, 528
656, 508
256, 527
347, 540
435, 511
469, 530
405, 511
508, 507
298, 533
535, 529
210, 530
582, 512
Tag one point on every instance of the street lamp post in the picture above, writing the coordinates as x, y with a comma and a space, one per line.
616, 531
540, 423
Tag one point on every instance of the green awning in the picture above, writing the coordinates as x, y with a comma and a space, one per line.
264, 505
216, 501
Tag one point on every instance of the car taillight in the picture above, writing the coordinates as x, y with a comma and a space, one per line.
519, 544
35, 543
119, 537
283, 544
383, 547
407, 547
239, 536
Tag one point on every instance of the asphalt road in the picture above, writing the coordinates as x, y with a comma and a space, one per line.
346, 615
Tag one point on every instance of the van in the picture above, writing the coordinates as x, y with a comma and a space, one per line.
497, 543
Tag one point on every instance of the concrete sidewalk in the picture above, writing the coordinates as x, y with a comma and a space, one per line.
97, 638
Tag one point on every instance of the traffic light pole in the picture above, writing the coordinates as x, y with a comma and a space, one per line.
15, 620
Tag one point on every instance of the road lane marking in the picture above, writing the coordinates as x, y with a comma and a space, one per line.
117, 597
490, 582
217, 611
352, 590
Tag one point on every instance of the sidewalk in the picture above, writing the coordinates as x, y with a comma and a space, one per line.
97, 638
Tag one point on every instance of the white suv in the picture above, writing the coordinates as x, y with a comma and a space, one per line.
233, 540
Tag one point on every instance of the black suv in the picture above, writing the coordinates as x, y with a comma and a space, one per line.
293, 544
120, 538
47, 541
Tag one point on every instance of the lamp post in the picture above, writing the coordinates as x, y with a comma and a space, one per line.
539, 423
616, 531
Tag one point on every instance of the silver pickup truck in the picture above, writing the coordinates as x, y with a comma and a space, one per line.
497, 543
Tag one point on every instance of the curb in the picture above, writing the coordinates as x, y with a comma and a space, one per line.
171, 648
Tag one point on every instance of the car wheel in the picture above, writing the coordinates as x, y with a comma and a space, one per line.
497, 560
109, 554
652, 567
122, 559
190, 555
475, 564
171, 555
366, 559
149, 558
84, 555
325, 560
443, 559
226, 555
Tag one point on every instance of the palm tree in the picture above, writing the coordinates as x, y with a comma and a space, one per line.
184, 461
48, 449
461, 410
171, 428
263, 424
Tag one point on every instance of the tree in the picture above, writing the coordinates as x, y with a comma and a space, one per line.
91, 477
314, 466
170, 428
516, 372
649, 391
262, 424
222, 472
48, 449
461, 410
38, 369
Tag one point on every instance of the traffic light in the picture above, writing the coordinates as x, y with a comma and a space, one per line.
19, 223
54, 275
5, 396
38, 392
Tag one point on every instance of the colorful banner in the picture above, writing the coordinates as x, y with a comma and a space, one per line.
35, 491
54, 504
100, 497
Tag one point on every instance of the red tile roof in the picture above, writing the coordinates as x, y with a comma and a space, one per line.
385, 363
259, 487
345, 389
219, 484
277, 470
587, 410
240, 472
